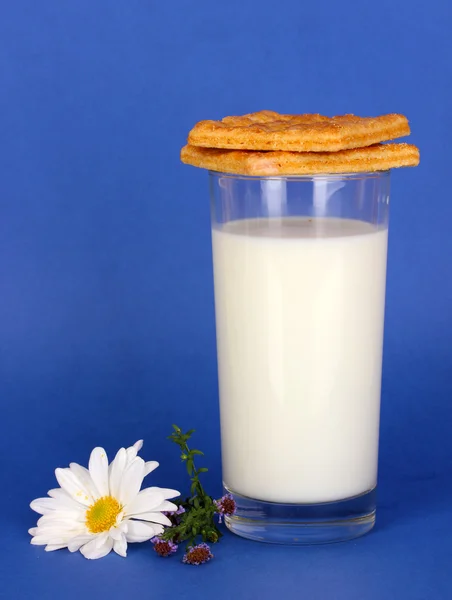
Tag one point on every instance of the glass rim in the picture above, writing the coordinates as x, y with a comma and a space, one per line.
311, 177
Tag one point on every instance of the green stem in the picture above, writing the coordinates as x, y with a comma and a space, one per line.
194, 478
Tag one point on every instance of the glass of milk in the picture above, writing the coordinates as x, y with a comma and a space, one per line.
300, 271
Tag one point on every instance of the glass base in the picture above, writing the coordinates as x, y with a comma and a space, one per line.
300, 524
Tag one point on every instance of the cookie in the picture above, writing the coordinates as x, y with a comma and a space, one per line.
379, 157
268, 130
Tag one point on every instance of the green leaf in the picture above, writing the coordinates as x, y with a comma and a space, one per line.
202, 470
176, 428
197, 452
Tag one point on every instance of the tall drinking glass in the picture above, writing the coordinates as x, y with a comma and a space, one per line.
300, 271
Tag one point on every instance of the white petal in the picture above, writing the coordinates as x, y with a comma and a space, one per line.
154, 517
146, 501
52, 547
140, 532
43, 540
59, 529
84, 476
131, 481
76, 543
165, 506
59, 493
64, 499
33, 531
167, 493
138, 445
115, 533
73, 486
150, 466
120, 546
131, 454
117, 469
158, 529
64, 519
101, 538
44, 506
92, 551
52, 508
98, 469
124, 527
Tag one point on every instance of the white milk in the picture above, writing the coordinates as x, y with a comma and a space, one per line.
299, 310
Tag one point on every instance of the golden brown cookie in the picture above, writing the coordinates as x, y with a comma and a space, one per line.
379, 157
268, 130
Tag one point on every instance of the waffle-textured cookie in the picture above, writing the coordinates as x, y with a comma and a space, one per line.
268, 130
379, 157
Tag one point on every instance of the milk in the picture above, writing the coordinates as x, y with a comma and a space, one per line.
299, 312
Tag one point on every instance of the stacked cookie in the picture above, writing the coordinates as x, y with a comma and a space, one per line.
268, 143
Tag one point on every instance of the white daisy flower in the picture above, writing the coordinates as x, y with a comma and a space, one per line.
101, 508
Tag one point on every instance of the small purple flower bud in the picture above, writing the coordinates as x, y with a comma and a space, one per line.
197, 555
164, 547
225, 506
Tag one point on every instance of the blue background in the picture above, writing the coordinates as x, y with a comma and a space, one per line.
106, 299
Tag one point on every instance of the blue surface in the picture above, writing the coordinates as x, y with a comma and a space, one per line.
106, 301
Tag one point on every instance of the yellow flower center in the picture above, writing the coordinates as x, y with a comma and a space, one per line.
102, 515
